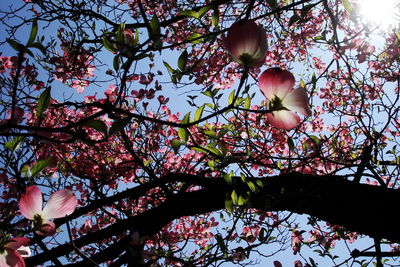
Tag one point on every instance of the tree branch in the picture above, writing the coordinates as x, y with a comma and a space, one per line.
360, 208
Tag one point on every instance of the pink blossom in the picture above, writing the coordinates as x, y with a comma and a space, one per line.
13, 250
298, 263
128, 43
277, 86
80, 85
18, 115
251, 233
60, 204
247, 43
297, 240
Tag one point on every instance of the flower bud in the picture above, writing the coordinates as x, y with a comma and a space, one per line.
247, 43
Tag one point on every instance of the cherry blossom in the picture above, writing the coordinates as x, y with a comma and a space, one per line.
60, 204
277, 86
247, 43
13, 250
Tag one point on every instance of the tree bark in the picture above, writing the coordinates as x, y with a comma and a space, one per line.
360, 208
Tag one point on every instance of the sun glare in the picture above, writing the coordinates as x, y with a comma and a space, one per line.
383, 13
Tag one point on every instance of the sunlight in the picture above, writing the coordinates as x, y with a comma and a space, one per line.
383, 13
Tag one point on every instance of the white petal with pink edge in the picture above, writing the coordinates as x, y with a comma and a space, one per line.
284, 119
297, 101
276, 82
30, 202
60, 204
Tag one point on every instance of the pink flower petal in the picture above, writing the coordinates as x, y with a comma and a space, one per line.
48, 228
128, 38
297, 100
11, 258
276, 82
18, 115
60, 204
16, 242
30, 202
247, 43
283, 119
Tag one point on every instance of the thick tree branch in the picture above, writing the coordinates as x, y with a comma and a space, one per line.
361, 208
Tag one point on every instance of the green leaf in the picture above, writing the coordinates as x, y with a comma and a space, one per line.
252, 186
241, 201
199, 113
259, 183
136, 40
234, 197
108, 45
119, 37
116, 62
15, 45
302, 83
199, 149
247, 102
189, 13
155, 27
194, 14
215, 151
39, 46
183, 134
291, 144
231, 97
15, 144
210, 133
186, 118
39, 167
215, 17
294, 19
26, 171
279, 164
272, 3
306, 9
118, 125
221, 243
211, 164
347, 5
203, 11
176, 144
43, 102
169, 68
227, 177
182, 61
33, 34
97, 125
195, 38
229, 205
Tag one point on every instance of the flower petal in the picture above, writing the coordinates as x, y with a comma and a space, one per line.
283, 119
18, 115
48, 228
30, 202
297, 100
60, 204
276, 82
16, 242
11, 258
246, 41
